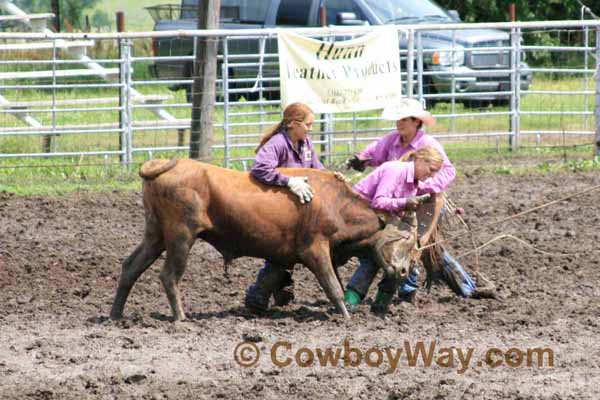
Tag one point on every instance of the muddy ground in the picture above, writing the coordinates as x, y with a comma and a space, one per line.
60, 261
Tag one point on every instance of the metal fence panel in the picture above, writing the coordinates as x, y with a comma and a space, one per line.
69, 97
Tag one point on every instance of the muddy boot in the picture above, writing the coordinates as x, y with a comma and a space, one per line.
283, 297
359, 284
285, 294
351, 299
257, 300
382, 302
456, 277
485, 289
258, 295
408, 290
409, 297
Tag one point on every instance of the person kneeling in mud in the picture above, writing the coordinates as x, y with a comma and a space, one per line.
288, 144
392, 187
409, 135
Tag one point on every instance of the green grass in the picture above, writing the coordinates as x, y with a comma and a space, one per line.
97, 178
47, 179
99, 173
468, 124
137, 19
54, 188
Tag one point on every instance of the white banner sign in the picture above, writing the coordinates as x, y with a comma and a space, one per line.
347, 76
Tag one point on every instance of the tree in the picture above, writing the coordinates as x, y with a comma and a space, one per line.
527, 10
71, 11
531, 10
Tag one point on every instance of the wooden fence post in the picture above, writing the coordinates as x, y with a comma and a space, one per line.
55, 6
203, 88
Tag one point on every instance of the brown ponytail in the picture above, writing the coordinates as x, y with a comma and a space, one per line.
293, 112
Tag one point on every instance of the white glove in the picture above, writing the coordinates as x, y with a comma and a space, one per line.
300, 187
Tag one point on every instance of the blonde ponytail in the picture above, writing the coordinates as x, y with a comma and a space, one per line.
429, 154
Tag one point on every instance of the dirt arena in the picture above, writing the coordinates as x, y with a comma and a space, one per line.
60, 261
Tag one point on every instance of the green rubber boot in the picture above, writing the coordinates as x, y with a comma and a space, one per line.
382, 302
352, 299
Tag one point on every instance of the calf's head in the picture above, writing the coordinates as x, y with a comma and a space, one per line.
393, 249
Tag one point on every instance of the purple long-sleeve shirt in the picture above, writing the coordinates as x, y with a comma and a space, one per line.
390, 148
279, 152
389, 186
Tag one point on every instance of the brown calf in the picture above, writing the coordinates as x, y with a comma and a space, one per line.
185, 200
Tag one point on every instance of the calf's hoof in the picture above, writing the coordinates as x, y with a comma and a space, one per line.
114, 315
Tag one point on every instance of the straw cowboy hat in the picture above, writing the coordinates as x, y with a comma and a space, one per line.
407, 108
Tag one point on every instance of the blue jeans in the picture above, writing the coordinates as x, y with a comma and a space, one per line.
454, 274
410, 284
456, 277
365, 274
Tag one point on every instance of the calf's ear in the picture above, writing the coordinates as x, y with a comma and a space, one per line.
382, 220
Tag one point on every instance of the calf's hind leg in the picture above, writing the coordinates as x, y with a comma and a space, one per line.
133, 266
170, 276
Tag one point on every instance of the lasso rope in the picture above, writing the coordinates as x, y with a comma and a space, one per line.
452, 208
508, 236
502, 220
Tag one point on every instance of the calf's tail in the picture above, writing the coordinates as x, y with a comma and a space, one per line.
153, 168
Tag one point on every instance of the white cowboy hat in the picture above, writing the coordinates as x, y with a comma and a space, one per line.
407, 108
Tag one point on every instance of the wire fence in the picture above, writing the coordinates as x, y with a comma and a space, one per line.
104, 99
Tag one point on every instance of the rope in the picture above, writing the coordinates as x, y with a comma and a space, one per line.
511, 217
471, 236
518, 240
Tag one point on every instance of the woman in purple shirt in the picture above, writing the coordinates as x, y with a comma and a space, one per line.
408, 136
392, 187
286, 145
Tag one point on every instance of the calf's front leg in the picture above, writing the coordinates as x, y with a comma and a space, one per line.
318, 260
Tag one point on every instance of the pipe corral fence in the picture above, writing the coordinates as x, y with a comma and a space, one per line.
69, 99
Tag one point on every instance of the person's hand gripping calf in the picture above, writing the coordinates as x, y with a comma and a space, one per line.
413, 202
300, 187
356, 163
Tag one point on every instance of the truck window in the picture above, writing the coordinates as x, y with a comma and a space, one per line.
334, 7
390, 11
250, 11
293, 12
189, 9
